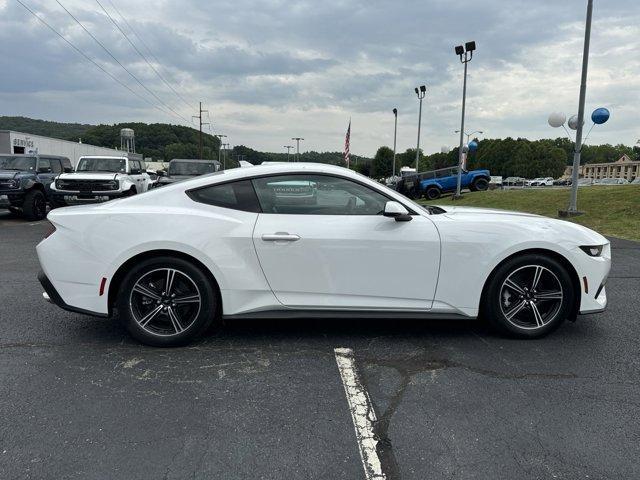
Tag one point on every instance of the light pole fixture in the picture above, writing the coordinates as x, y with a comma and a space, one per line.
469, 134
297, 139
288, 147
395, 135
420, 92
466, 54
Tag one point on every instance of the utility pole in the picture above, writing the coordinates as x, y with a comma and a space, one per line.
199, 117
288, 147
224, 156
297, 139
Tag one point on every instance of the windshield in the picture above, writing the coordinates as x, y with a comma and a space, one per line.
18, 163
191, 168
115, 165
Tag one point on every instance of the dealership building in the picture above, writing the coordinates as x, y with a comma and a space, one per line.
25, 143
624, 167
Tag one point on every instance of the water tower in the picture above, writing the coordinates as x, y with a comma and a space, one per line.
127, 140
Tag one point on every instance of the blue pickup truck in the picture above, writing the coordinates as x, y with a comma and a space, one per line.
436, 182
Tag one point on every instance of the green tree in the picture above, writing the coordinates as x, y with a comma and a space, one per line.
382, 165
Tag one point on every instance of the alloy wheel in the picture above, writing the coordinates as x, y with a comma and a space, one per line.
531, 297
165, 302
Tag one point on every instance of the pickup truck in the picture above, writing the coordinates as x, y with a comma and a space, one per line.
99, 179
433, 184
25, 183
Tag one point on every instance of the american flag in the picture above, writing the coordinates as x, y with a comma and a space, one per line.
347, 139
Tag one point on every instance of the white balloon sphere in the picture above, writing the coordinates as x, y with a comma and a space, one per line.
573, 122
445, 149
465, 149
557, 119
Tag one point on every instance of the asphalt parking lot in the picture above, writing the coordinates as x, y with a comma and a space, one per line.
265, 399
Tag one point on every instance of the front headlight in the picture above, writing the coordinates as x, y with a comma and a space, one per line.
592, 250
12, 184
113, 184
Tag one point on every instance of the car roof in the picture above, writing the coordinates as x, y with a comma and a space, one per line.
104, 156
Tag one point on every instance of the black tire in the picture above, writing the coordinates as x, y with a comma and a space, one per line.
513, 312
432, 193
161, 330
480, 185
35, 205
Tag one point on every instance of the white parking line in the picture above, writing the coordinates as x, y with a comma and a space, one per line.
362, 413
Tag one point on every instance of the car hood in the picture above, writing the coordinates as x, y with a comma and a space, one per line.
456, 211
537, 226
89, 176
10, 174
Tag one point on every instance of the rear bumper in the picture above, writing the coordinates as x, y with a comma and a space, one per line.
52, 295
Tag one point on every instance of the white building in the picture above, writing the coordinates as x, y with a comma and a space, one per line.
23, 143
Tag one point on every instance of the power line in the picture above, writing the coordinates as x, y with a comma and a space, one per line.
119, 63
113, 77
137, 50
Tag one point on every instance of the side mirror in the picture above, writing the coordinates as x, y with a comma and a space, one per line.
396, 210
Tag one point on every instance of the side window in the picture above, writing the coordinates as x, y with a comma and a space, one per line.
44, 166
66, 165
234, 195
56, 166
135, 167
317, 195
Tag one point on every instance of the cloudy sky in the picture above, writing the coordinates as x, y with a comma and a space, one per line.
273, 69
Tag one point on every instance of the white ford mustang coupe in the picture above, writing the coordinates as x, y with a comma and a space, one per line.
307, 240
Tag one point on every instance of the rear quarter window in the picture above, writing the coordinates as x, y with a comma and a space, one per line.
234, 195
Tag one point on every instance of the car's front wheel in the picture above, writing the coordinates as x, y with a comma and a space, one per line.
166, 301
432, 193
35, 205
529, 296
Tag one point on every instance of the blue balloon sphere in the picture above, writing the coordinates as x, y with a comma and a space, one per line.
473, 146
600, 116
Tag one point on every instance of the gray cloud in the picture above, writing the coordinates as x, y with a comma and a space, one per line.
267, 68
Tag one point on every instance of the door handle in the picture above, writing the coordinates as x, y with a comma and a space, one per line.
281, 237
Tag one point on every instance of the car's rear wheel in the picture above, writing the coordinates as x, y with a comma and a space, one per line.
166, 301
432, 193
529, 296
480, 185
35, 205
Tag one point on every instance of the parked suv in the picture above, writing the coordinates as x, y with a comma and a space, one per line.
185, 168
98, 179
25, 182
436, 182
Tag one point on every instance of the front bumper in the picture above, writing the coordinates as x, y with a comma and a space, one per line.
83, 198
11, 198
593, 273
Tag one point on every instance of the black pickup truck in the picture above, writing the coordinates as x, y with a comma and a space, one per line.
25, 182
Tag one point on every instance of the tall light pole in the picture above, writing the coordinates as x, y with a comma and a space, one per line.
573, 202
466, 54
420, 92
220, 137
288, 147
297, 139
469, 134
224, 156
395, 135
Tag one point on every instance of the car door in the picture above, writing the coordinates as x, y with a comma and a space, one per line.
46, 173
136, 175
323, 242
